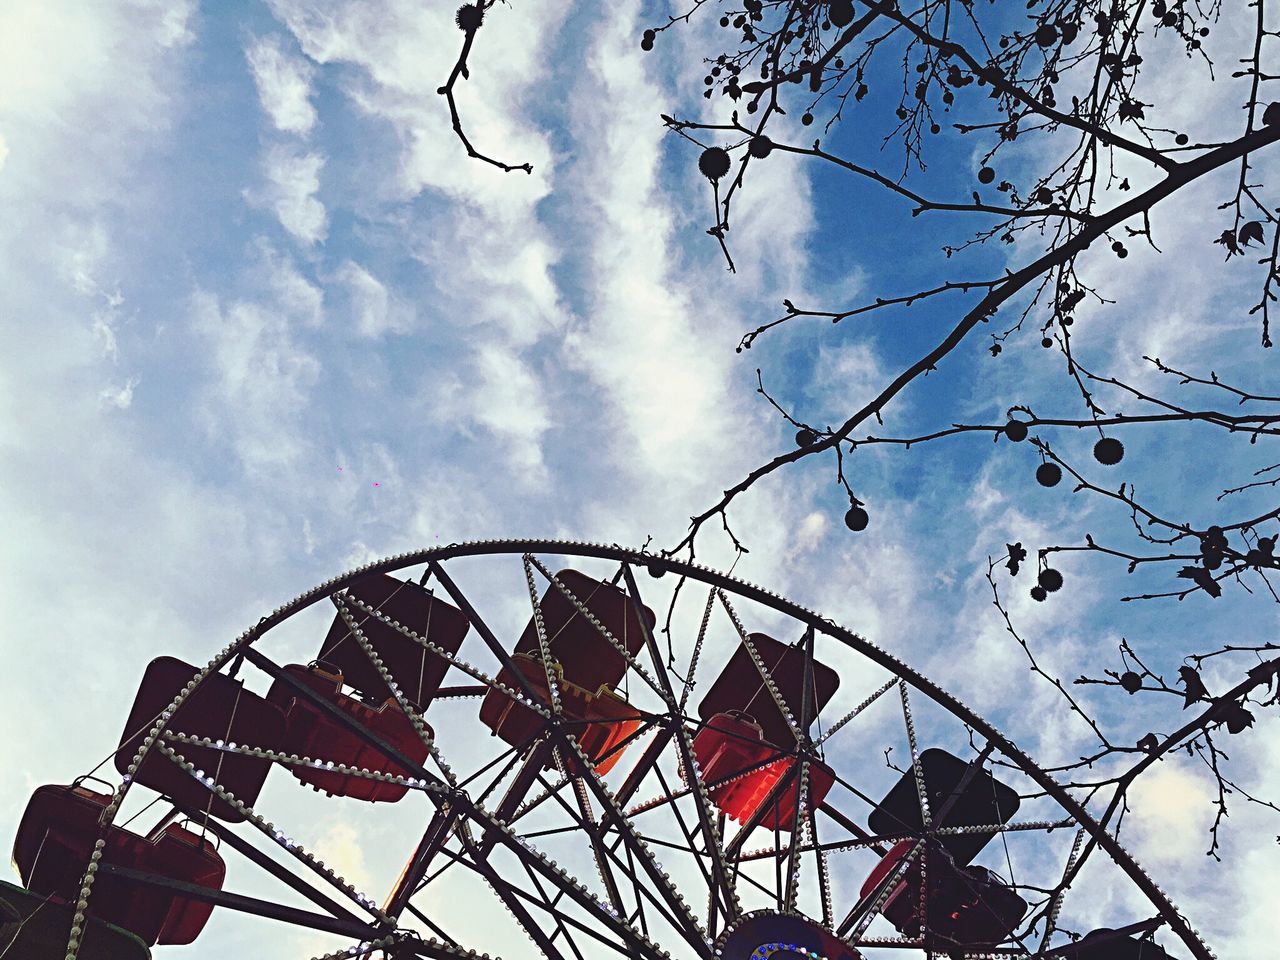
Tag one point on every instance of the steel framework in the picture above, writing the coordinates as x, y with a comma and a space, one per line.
503, 819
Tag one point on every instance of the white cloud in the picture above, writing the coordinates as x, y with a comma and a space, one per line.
120, 397
284, 85
512, 410
293, 180
278, 274
375, 310
262, 379
104, 332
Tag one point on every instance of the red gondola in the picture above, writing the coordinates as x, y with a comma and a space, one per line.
219, 708
735, 762
969, 905
417, 672
745, 727
57, 835
586, 665
309, 733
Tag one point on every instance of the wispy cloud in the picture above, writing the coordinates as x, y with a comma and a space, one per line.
375, 310
292, 182
283, 80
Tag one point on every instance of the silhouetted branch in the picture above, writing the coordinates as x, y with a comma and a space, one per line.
1178, 178
470, 18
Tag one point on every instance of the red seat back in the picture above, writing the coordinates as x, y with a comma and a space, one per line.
220, 708
417, 672
588, 659
740, 688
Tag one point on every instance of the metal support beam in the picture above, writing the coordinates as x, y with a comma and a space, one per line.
722, 886
244, 847
236, 901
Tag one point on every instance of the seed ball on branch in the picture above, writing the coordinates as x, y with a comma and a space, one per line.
646, 41
1048, 474
986, 175
840, 13
1050, 579
469, 18
1015, 430
714, 163
806, 437
760, 147
1038, 594
1108, 451
1046, 34
856, 519
1131, 682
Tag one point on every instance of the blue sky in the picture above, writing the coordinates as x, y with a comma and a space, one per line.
266, 322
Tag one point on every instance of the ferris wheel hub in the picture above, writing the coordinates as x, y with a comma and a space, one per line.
767, 935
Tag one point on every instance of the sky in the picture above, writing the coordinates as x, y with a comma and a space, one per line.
265, 321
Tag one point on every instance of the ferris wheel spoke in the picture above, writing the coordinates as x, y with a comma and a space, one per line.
598, 849
824, 874
504, 890
433, 839
430, 924
550, 904
766, 677
627, 946
646, 725
244, 904
508, 759
757, 816
689, 680
409, 710
583, 820
688, 924
864, 910
487, 635
719, 881
802, 793
843, 721
714, 886
529, 773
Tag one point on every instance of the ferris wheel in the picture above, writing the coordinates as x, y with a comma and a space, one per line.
602, 753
